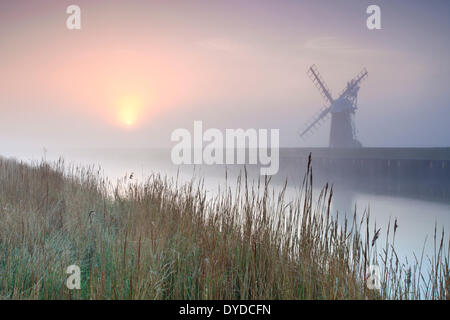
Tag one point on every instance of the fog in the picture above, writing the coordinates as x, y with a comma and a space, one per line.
230, 64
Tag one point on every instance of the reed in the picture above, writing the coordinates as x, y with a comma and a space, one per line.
162, 239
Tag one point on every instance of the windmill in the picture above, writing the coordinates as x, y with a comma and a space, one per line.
341, 110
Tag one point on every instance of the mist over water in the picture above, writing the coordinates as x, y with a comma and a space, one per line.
417, 214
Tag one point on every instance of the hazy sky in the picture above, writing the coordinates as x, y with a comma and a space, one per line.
137, 70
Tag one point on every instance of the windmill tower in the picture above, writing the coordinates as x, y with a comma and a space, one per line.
341, 110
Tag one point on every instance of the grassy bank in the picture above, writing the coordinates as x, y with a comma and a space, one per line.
165, 240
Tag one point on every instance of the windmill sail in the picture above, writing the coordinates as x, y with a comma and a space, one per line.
316, 78
316, 121
320, 84
354, 83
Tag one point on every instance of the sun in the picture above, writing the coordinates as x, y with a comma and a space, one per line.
129, 110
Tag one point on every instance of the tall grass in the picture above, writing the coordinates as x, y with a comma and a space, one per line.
162, 239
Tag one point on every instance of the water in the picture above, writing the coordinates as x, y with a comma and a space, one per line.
417, 214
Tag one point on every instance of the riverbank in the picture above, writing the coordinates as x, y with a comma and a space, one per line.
165, 240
